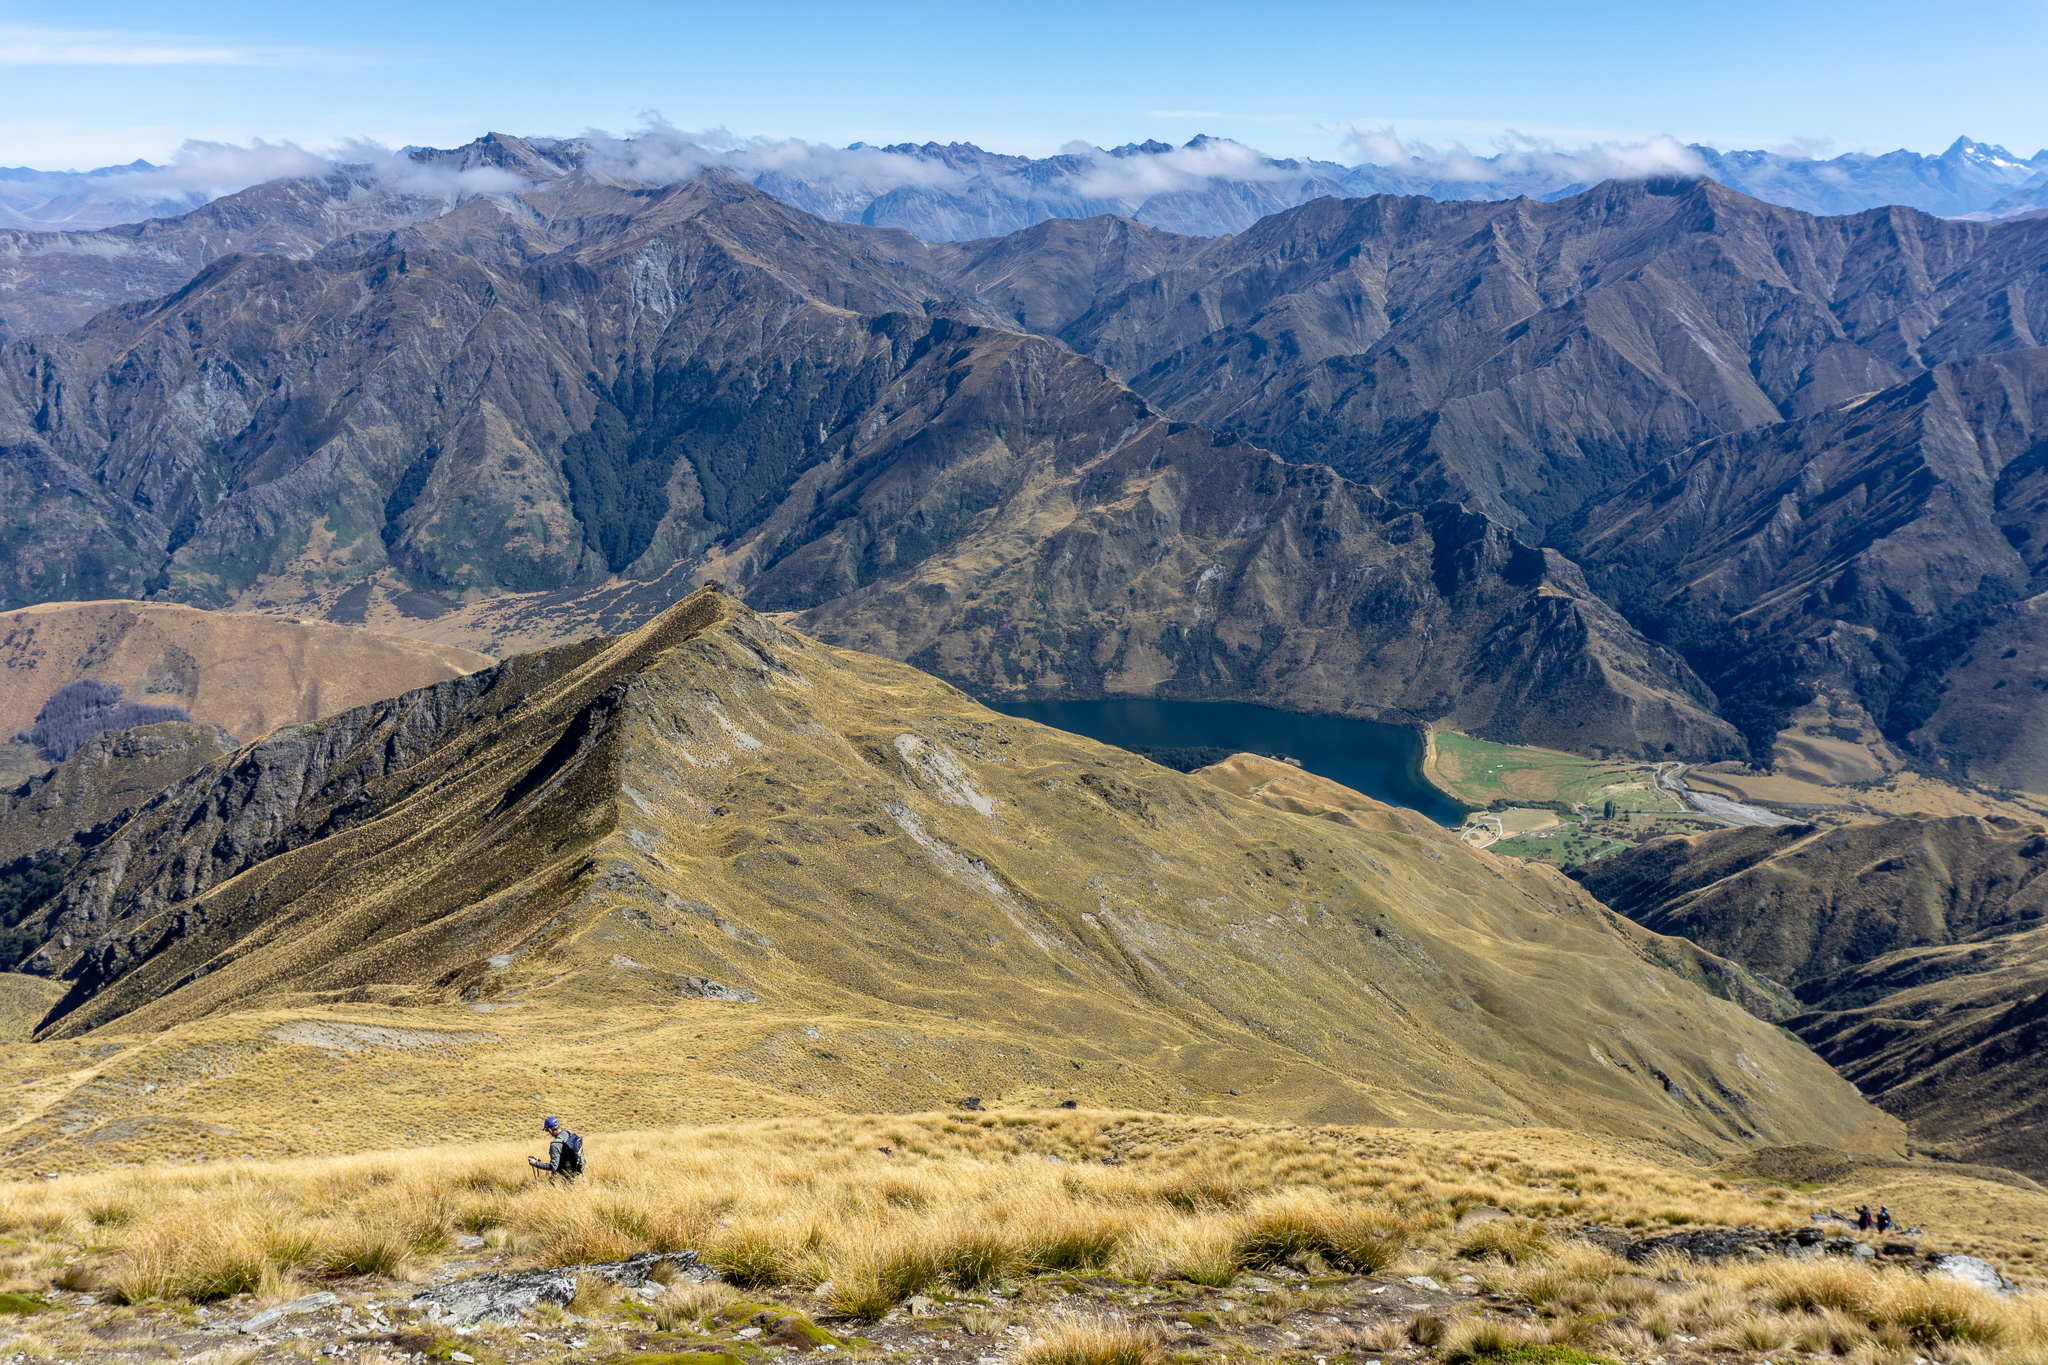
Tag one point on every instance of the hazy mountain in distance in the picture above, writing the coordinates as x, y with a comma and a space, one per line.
80, 201
1205, 187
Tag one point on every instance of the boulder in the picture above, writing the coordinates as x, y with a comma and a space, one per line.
285, 1310
1973, 1270
504, 1296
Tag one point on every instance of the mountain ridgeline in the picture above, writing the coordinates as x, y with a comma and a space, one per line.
1627, 472
715, 808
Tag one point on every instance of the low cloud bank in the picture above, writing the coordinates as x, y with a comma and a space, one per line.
1206, 186
1527, 158
202, 171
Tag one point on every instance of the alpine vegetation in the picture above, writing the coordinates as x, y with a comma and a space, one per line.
79, 710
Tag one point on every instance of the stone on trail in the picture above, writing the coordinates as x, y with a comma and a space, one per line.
285, 1310
503, 1297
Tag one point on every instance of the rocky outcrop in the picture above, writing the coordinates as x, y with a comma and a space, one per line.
506, 1296
92, 793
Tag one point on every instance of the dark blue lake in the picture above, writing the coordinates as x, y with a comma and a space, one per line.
1383, 761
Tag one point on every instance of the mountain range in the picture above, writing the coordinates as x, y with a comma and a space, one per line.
1633, 471
1206, 187
713, 516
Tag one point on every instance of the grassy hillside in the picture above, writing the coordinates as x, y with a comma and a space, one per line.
1915, 946
1182, 1238
714, 868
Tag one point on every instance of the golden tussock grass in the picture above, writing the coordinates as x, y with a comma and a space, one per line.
956, 1205
1093, 1341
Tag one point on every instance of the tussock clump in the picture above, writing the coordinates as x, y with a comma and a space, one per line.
1072, 1239
1816, 1285
199, 1262
1292, 1230
1204, 1254
1200, 1192
970, 1257
1094, 1341
1470, 1341
1753, 1334
1279, 1232
752, 1256
1514, 1241
363, 1248
1426, 1329
110, 1214
1938, 1311
686, 1306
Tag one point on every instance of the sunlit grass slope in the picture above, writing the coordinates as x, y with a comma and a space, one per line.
848, 1216
715, 868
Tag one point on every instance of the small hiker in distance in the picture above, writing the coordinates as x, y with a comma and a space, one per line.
1884, 1219
565, 1151
1863, 1218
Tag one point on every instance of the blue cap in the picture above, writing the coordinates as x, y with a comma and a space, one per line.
551, 1122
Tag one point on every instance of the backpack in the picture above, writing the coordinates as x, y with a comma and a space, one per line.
572, 1153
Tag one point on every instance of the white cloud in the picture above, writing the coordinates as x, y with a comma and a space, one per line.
37, 45
1136, 178
202, 171
1521, 156
661, 154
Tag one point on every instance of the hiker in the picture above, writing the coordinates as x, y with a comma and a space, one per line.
1863, 1217
565, 1151
1884, 1219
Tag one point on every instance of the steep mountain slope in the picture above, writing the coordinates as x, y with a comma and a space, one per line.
1950, 1040
1002, 539
1868, 543
103, 782
53, 280
244, 672
715, 808
48, 822
702, 377
1916, 947
1990, 716
1529, 357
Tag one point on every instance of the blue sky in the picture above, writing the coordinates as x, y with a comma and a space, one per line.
131, 79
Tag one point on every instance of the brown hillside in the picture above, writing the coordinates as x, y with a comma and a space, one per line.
1915, 947
244, 672
844, 886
